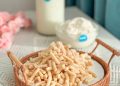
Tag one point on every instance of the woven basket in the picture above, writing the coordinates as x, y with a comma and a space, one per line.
103, 82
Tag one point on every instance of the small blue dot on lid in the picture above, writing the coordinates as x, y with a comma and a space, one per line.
46, 0
83, 38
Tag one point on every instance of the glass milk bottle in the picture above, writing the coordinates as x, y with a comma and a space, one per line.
50, 13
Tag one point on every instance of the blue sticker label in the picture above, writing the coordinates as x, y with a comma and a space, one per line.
83, 38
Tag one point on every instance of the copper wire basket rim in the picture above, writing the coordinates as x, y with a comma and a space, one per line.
35, 53
105, 80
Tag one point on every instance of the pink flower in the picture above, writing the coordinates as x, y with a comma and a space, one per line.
10, 25
4, 18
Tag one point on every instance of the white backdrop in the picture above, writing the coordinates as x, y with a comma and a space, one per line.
16, 5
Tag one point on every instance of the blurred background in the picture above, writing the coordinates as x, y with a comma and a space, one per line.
105, 12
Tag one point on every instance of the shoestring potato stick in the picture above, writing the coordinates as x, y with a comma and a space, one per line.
49, 78
58, 65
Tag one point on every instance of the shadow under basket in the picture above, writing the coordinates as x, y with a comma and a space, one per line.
103, 82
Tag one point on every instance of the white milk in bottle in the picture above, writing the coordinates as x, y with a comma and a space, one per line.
50, 13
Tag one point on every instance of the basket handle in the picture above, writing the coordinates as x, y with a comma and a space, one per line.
17, 63
114, 52
14, 59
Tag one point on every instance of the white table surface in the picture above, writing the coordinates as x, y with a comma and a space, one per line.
30, 40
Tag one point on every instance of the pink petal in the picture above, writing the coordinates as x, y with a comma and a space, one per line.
27, 23
4, 17
13, 26
19, 21
7, 35
4, 29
